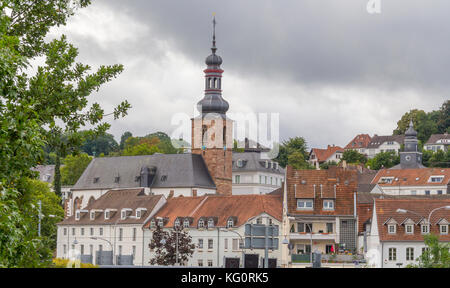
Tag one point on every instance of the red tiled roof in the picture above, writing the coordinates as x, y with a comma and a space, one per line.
243, 207
116, 199
364, 211
412, 177
300, 184
323, 154
386, 209
360, 141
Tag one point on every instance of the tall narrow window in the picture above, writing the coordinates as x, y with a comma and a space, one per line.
409, 254
392, 254
120, 234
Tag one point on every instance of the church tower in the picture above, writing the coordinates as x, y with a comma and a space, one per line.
411, 158
212, 131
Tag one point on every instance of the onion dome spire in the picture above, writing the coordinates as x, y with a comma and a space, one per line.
213, 102
411, 132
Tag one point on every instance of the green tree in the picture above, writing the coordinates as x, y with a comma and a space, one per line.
423, 123
163, 244
297, 161
287, 148
100, 144
124, 138
353, 157
141, 149
37, 111
437, 255
443, 118
383, 160
236, 148
74, 166
327, 165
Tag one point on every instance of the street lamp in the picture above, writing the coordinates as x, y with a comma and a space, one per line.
403, 211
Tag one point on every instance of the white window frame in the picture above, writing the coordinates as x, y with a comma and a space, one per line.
186, 223
230, 223
210, 223
77, 215
200, 243
427, 226
409, 226
177, 222
440, 177
326, 204
409, 253
305, 206
92, 215
441, 230
107, 214
389, 229
392, 254
201, 223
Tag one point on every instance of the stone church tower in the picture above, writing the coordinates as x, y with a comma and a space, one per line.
410, 157
212, 131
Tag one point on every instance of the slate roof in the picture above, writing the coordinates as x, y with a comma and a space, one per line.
412, 177
252, 162
221, 208
46, 172
376, 140
360, 141
436, 137
386, 209
181, 170
117, 199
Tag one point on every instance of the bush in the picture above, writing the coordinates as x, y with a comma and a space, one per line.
62, 263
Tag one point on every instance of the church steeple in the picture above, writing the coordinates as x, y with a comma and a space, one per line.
213, 102
410, 157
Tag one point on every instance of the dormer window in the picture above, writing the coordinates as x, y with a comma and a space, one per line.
117, 179
436, 179
211, 223
107, 214
96, 179
152, 224
305, 204
328, 204
186, 223
160, 222
425, 228
124, 213
392, 229
177, 223
409, 229
386, 180
239, 163
140, 212
443, 228
92, 215
201, 223
230, 223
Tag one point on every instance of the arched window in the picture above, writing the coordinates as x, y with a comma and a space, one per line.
201, 223
210, 223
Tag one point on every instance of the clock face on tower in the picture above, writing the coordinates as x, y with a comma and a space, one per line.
408, 158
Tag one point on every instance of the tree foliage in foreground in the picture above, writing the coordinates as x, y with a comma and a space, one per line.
38, 110
163, 247
437, 254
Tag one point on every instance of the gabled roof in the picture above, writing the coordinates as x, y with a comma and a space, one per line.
118, 200
172, 170
322, 155
387, 209
360, 141
251, 161
221, 208
437, 137
376, 140
46, 172
412, 177
300, 184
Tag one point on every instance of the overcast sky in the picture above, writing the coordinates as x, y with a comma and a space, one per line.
329, 68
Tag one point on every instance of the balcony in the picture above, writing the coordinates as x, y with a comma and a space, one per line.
315, 236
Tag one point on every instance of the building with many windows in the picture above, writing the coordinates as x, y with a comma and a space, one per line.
320, 211
438, 142
396, 237
216, 224
108, 231
384, 144
359, 143
254, 175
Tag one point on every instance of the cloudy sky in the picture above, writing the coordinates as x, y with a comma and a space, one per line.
329, 68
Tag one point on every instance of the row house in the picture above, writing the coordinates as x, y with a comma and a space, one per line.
438, 142
254, 175
419, 181
108, 231
320, 211
217, 227
331, 154
359, 143
396, 237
